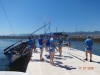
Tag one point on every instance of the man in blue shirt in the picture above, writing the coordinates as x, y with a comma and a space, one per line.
41, 42
34, 42
47, 43
88, 44
69, 42
30, 46
52, 49
60, 41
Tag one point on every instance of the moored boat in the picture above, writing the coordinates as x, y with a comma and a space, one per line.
17, 60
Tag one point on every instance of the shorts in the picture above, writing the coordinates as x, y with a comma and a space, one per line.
88, 48
52, 50
60, 45
41, 47
47, 45
30, 48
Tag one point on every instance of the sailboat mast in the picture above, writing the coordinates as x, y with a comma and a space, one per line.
44, 24
56, 30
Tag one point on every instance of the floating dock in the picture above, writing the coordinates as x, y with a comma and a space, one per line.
70, 63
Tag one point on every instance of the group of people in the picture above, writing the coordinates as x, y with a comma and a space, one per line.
51, 42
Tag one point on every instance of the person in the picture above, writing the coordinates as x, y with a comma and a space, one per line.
30, 46
88, 44
41, 42
47, 43
52, 49
34, 44
60, 41
48, 47
44, 44
69, 42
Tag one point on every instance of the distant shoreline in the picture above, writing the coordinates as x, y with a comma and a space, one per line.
96, 38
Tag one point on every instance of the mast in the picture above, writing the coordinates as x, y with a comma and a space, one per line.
56, 30
44, 24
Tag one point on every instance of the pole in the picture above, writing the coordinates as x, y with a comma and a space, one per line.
76, 29
44, 24
56, 30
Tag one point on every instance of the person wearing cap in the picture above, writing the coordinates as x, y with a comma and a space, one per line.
52, 49
30, 46
69, 42
88, 47
41, 42
60, 41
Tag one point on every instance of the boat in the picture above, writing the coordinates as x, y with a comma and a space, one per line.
17, 60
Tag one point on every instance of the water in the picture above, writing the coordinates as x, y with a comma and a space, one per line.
79, 45
3, 44
7, 42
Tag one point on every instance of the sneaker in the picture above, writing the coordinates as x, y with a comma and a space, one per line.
86, 59
91, 60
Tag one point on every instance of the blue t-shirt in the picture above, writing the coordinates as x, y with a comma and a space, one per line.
30, 43
47, 41
40, 41
68, 40
88, 42
51, 41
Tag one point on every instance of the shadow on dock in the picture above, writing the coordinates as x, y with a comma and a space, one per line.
96, 62
60, 64
62, 57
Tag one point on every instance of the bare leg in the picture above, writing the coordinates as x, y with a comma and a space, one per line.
90, 55
31, 53
60, 51
86, 53
41, 52
52, 58
34, 47
46, 48
68, 46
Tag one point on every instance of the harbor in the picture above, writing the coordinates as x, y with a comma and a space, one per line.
31, 30
70, 63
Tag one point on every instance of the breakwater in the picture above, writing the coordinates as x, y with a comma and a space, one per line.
95, 38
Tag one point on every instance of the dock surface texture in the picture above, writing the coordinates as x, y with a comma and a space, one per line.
70, 63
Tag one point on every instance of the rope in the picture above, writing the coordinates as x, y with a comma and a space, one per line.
7, 18
47, 29
40, 28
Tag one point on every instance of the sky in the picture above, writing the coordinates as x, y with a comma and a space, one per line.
26, 16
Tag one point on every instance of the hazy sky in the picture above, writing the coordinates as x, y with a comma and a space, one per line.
26, 16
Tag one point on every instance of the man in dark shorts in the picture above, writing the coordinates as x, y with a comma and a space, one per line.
69, 42
41, 42
30, 46
60, 41
34, 44
88, 47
